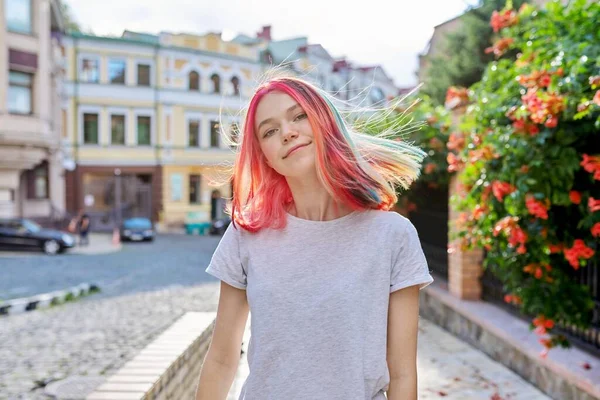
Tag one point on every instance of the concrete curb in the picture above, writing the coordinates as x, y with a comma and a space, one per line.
24, 304
509, 341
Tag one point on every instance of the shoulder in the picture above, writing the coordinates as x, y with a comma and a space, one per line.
389, 221
237, 233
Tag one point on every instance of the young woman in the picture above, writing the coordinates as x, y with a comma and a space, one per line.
330, 277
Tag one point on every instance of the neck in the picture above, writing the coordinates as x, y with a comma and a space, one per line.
312, 201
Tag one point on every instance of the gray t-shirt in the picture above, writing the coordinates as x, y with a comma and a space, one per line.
318, 293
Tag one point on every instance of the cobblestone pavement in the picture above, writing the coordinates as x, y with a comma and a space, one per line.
171, 260
93, 337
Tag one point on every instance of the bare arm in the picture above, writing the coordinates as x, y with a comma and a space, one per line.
403, 320
223, 356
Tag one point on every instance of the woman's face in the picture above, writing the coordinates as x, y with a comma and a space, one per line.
285, 135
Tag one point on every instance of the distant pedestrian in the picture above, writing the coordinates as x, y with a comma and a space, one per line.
83, 227
330, 277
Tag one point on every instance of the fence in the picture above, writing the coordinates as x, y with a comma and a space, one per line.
586, 339
430, 218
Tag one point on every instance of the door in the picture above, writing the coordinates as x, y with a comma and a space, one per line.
216, 205
135, 199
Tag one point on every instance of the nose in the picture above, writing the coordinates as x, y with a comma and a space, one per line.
289, 133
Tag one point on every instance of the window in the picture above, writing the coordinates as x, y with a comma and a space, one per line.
18, 15
195, 183
143, 130
376, 95
89, 70
117, 129
194, 133
116, 71
322, 80
90, 128
235, 134
194, 81
335, 90
235, 82
214, 133
40, 182
19, 92
143, 75
216, 80
37, 182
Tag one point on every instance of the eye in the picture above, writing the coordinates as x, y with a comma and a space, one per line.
268, 133
300, 116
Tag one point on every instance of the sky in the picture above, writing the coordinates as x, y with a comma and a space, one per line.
390, 33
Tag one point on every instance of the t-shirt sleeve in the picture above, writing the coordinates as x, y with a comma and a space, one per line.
226, 263
410, 265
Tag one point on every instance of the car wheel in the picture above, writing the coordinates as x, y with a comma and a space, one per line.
51, 247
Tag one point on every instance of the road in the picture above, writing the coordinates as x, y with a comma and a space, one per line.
171, 260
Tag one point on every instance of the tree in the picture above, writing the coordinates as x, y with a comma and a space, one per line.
71, 25
463, 58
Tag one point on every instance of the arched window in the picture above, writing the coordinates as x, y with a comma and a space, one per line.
377, 95
234, 131
216, 80
194, 80
235, 83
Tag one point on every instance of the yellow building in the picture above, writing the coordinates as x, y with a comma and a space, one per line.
152, 113
149, 117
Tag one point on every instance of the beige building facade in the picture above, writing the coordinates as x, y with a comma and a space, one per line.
31, 170
31, 166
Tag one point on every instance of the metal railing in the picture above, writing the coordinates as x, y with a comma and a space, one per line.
586, 339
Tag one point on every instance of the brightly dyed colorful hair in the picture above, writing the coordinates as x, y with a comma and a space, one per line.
358, 170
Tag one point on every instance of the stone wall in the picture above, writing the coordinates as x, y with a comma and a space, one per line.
168, 368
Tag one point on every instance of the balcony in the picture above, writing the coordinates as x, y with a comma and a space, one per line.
26, 131
20, 158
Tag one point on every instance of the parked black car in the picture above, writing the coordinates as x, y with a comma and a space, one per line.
137, 229
23, 234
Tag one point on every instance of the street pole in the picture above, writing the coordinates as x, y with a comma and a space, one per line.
118, 197
116, 236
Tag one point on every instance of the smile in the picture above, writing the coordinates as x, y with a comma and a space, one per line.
293, 149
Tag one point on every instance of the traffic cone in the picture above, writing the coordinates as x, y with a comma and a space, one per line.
116, 239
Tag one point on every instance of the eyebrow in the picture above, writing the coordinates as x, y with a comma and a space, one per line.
266, 121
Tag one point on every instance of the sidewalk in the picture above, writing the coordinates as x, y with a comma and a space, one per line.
100, 243
448, 368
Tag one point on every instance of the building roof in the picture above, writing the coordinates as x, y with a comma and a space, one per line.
144, 41
144, 37
246, 40
286, 50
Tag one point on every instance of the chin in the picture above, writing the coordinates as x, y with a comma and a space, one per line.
299, 168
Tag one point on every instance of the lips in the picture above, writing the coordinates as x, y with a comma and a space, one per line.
295, 148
